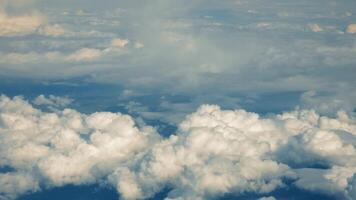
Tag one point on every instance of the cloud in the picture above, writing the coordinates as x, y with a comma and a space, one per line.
85, 54
315, 28
210, 156
267, 198
190, 53
17, 3
351, 28
59, 151
213, 152
138, 45
329, 104
53, 101
12, 184
352, 187
20, 25
117, 42
30, 57
52, 30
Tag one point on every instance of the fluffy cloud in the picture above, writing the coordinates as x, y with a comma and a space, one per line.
12, 184
214, 152
58, 149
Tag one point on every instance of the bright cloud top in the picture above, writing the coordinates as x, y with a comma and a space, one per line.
214, 152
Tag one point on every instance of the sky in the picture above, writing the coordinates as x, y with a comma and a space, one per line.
177, 100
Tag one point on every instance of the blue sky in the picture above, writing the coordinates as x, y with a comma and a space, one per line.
199, 91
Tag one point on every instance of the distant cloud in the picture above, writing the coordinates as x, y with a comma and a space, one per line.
267, 198
138, 45
329, 104
351, 28
26, 23
52, 30
53, 101
117, 42
263, 25
20, 25
315, 28
30, 57
85, 54
270, 53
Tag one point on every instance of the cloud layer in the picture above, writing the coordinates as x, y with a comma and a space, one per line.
255, 46
214, 152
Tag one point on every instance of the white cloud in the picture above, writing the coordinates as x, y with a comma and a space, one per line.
214, 151
12, 184
113, 139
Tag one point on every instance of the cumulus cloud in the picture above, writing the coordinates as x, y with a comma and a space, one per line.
58, 149
211, 155
12, 184
214, 152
